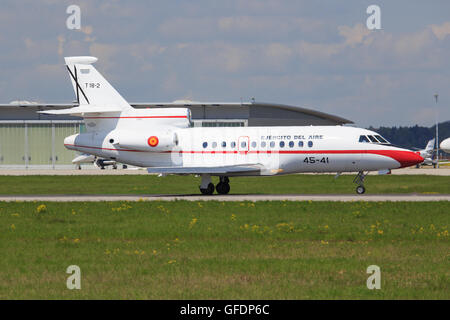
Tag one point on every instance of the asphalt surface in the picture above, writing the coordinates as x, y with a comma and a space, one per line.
231, 197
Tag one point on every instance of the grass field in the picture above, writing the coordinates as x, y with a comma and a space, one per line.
233, 250
150, 184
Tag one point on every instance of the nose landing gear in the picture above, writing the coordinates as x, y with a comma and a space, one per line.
359, 179
360, 189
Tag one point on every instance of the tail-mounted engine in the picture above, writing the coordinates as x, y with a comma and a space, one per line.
155, 140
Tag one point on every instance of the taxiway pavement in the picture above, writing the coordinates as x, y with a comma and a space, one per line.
231, 197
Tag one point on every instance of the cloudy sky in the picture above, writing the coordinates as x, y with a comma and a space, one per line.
316, 54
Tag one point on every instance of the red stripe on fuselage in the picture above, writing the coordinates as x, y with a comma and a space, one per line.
142, 117
405, 158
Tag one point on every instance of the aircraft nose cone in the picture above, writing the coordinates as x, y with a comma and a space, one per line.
409, 158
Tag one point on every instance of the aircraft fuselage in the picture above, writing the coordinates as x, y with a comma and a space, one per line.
280, 150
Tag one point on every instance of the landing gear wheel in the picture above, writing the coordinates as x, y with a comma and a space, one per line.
223, 188
209, 190
360, 189
359, 180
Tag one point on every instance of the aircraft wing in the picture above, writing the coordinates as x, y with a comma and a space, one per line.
245, 168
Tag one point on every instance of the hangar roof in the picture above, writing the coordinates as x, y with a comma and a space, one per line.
188, 103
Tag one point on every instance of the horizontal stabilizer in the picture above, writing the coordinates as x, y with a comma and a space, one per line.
206, 170
79, 111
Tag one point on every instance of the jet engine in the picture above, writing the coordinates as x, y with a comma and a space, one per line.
157, 140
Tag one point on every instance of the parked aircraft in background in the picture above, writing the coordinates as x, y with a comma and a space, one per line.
98, 162
427, 154
83, 158
445, 145
164, 141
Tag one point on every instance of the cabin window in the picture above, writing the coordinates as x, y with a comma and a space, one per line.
253, 144
363, 139
205, 144
310, 144
300, 144
281, 144
233, 144
243, 144
372, 139
263, 144
272, 144
224, 144
291, 144
214, 144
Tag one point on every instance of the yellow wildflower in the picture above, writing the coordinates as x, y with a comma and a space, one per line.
41, 208
193, 222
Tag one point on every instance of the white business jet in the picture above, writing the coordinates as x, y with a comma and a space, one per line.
164, 141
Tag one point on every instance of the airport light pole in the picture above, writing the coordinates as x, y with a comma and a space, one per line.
437, 133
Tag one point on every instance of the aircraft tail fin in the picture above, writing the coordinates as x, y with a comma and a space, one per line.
430, 145
90, 87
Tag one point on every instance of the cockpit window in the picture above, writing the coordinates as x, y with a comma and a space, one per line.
363, 139
373, 139
381, 139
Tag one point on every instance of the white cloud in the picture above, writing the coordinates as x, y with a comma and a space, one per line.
354, 35
441, 31
181, 27
413, 44
107, 54
61, 40
29, 43
241, 27
278, 53
318, 51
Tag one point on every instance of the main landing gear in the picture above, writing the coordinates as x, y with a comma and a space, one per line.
223, 187
207, 187
359, 180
